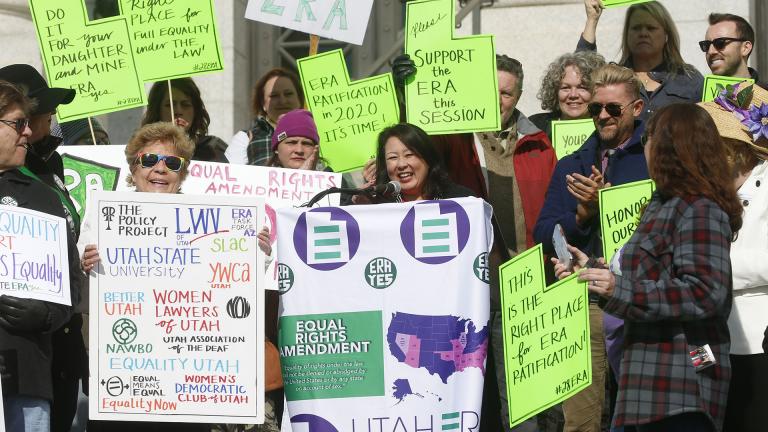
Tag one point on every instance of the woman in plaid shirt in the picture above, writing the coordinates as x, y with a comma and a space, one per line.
674, 291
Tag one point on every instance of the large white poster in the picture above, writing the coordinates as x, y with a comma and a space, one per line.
177, 309
33, 254
343, 20
384, 315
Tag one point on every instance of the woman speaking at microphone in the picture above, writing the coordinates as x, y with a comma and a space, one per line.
405, 154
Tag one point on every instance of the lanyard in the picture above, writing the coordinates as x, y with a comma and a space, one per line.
64, 201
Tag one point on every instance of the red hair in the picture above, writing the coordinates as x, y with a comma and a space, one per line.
688, 158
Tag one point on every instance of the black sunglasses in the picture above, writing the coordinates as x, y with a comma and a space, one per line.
613, 109
19, 124
148, 160
643, 140
719, 43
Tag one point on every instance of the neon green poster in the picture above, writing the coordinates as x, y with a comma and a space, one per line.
714, 84
569, 135
617, 3
547, 354
455, 88
620, 209
349, 115
92, 58
173, 39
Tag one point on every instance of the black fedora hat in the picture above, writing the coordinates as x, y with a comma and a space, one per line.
46, 98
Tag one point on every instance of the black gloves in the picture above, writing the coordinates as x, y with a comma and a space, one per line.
402, 68
23, 314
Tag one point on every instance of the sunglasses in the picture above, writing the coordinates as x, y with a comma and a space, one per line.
643, 140
148, 160
19, 125
719, 43
613, 109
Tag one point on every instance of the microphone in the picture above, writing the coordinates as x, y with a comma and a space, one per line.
388, 190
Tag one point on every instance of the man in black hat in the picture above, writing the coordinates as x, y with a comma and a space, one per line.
70, 362
45, 100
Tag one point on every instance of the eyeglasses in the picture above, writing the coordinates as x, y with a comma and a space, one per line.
19, 125
719, 43
613, 109
148, 160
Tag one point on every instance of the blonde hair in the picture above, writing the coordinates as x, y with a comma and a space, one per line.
165, 132
671, 51
613, 74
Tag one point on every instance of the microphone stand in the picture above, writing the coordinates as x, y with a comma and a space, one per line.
333, 190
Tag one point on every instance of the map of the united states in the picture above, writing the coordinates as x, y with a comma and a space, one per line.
441, 344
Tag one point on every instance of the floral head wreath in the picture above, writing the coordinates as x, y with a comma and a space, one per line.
753, 117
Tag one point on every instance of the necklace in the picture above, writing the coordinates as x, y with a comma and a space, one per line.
643, 80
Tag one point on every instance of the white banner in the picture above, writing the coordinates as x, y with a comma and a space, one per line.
33, 255
343, 20
177, 309
104, 168
385, 315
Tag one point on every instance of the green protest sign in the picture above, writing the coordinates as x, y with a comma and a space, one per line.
547, 354
617, 3
94, 59
620, 209
569, 135
455, 88
714, 84
82, 175
173, 39
349, 115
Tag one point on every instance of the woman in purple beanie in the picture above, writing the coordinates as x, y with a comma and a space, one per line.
295, 145
295, 141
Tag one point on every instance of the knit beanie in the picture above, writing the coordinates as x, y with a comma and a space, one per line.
295, 123
73, 131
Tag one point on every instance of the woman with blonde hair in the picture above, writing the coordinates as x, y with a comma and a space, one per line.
650, 46
158, 155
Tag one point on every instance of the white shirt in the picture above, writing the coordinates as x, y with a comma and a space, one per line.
749, 261
237, 151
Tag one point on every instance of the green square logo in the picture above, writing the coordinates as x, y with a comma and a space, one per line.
337, 355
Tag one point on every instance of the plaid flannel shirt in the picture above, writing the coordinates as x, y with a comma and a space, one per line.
260, 142
675, 295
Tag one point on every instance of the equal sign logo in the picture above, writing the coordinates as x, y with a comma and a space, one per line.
450, 421
435, 233
326, 239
